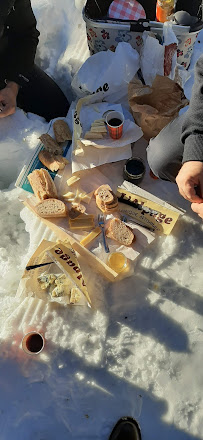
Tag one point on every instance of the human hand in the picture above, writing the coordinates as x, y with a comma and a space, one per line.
198, 208
189, 178
8, 97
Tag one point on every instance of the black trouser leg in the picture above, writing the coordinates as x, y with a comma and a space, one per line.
42, 96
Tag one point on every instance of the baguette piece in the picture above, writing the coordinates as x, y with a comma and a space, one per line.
50, 144
42, 184
107, 209
52, 162
62, 131
51, 208
120, 232
104, 192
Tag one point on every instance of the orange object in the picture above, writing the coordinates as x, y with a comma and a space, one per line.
115, 121
152, 175
164, 8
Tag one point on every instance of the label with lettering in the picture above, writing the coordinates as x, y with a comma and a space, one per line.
152, 215
65, 257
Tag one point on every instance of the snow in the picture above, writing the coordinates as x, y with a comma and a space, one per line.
138, 352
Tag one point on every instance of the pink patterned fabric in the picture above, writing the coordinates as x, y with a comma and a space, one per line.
126, 10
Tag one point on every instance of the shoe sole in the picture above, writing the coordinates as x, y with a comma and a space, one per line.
127, 419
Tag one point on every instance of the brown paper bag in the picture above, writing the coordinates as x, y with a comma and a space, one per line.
154, 107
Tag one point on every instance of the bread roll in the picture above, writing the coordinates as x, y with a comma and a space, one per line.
51, 208
52, 162
120, 232
42, 184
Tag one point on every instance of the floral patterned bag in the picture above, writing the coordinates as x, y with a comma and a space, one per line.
106, 34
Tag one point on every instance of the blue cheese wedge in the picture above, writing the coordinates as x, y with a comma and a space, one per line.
46, 280
75, 295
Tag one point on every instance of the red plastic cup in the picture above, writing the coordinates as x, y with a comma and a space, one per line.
33, 343
115, 121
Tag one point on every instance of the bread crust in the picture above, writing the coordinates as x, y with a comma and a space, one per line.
62, 131
52, 162
50, 144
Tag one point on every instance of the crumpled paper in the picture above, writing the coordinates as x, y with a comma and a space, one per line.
154, 107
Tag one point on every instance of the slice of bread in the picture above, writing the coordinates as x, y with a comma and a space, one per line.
52, 162
76, 210
120, 232
62, 131
104, 192
51, 208
42, 184
50, 144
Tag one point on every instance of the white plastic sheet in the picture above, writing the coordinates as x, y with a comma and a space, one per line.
107, 72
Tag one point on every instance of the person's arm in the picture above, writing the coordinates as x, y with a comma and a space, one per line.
190, 176
20, 29
192, 132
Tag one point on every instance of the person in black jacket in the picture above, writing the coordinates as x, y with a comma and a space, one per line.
22, 83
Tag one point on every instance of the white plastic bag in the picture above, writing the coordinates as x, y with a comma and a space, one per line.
107, 73
155, 58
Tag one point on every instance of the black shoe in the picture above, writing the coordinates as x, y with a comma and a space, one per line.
126, 429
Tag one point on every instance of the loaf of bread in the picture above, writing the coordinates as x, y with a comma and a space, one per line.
106, 200
51, 208
42, 184
62, 131
52, 162
120, 232
50, 144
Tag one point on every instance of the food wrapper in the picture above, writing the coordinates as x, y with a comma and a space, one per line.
154, 107
147, 209
59, 281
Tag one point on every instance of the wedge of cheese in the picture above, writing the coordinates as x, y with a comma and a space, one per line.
72, 180
91, 236
86, 197
99, 129
91, 135
84, 222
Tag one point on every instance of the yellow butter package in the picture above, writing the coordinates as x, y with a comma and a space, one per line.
155, 214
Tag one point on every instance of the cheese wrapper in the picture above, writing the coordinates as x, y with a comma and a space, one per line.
160, 217
65, 257
47, 279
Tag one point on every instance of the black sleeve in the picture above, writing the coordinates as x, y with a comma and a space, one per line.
192, 131
22, 37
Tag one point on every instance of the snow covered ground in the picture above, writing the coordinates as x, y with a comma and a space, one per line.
139, 351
